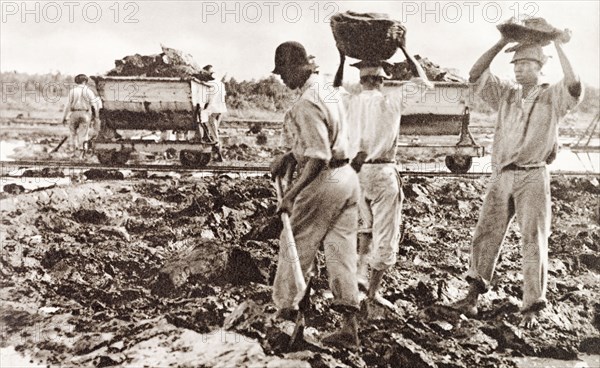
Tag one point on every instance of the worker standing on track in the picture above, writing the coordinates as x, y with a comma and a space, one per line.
525, 141
82, 108
322, 202
377, 116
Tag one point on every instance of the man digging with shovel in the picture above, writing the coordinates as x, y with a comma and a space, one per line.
322, 202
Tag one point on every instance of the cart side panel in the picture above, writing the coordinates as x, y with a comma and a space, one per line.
145, 95
433, 112
201, 93
148, 104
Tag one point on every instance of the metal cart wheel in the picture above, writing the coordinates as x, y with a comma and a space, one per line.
105, 157
112, 157
120, 158
459, 164
170, 154
194, 158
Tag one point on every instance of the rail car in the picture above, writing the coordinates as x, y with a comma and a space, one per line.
444, 110
172, 107
168, 107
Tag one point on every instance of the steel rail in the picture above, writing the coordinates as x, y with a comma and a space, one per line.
11, 167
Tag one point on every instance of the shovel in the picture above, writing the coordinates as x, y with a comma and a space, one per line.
55, 149
302, 299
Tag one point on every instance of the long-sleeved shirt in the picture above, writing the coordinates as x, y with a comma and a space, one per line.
523, 136
82, 98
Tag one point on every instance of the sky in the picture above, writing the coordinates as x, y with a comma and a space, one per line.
239, 37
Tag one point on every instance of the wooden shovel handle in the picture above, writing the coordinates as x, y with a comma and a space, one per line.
291, 245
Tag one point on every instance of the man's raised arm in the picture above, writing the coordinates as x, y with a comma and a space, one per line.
571, 79
486, 59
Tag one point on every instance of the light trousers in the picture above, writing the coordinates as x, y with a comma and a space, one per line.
525, 194
324, 213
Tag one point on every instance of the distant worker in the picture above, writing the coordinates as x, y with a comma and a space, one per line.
212, 112
525, 142
209, 70
82, 108
377, 116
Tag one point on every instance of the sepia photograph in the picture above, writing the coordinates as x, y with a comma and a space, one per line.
305, 183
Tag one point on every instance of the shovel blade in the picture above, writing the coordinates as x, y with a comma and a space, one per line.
298, 334
303, 306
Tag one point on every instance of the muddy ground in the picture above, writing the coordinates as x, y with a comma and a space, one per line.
150, 272
176, 271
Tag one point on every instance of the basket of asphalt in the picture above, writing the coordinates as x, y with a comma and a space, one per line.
529, 31
367, 36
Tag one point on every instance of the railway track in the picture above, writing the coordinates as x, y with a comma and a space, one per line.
70, 165
241, 123
18, 168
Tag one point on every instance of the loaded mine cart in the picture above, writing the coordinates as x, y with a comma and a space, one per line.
155, 104
443, 111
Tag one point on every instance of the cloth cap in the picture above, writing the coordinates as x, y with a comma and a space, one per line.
530, 52
80, 78
290, 53
373, 68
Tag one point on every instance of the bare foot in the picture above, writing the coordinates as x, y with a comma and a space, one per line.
531, 313
467, 306
384, 302
378, 307
529, 321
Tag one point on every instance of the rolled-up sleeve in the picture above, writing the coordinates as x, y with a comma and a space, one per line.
308, 128
490, 89
562, 100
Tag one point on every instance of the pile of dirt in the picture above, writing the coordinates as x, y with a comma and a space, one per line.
113, 273
169, 63
435, 73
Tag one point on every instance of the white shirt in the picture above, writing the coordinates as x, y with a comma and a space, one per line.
81, 97
216, 100
377, 117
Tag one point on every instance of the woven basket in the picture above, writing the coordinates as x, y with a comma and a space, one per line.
529, 31
367, 36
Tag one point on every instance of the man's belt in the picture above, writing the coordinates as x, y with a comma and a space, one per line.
380, 161
334, 164
515, 167
79, 109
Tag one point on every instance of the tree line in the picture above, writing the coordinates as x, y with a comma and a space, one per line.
268, 94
